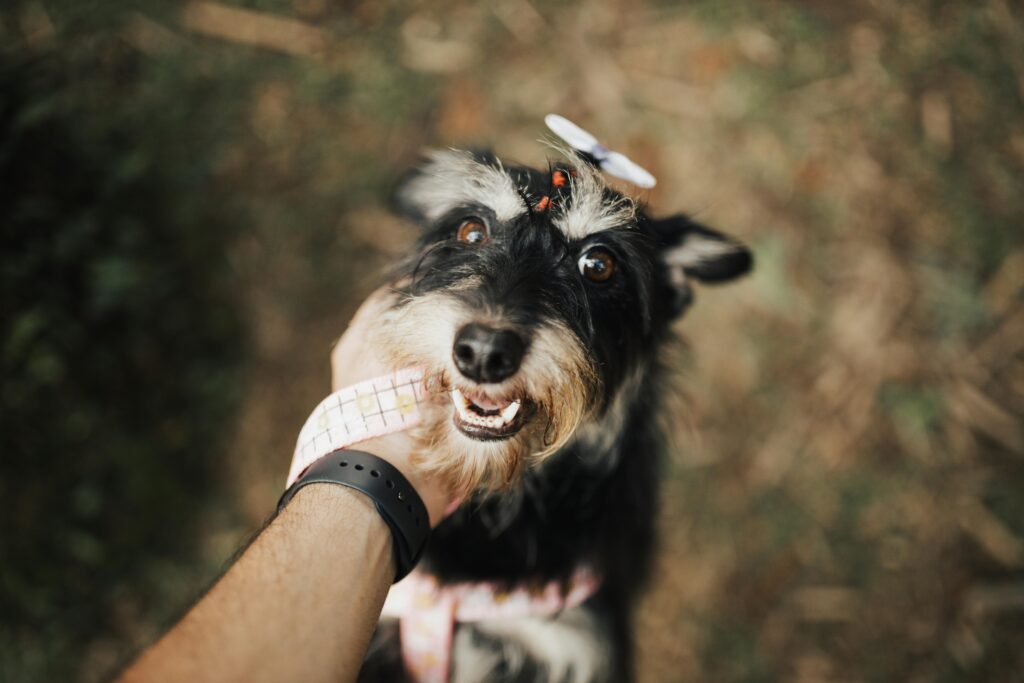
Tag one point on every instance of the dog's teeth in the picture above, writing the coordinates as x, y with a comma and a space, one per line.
509, 413
461, 405
468, 412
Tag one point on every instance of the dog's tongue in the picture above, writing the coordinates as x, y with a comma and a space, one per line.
482, 401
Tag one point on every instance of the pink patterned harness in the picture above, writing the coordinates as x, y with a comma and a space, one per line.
429, 611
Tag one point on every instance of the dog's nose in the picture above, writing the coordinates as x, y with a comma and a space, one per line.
486, 355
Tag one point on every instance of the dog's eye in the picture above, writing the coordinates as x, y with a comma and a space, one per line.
597, 264
473, 231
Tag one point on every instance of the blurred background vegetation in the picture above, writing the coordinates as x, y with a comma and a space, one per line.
194, 201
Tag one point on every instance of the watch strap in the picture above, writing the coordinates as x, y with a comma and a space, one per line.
394, 497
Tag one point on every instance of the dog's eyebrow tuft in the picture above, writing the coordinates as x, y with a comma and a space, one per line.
592, 208
452, 177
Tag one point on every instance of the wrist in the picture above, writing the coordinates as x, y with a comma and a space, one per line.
322, 511
396, 449
393, 496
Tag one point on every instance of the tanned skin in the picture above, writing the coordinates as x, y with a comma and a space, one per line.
294, 607
302, 601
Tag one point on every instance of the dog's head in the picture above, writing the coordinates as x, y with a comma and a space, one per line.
530, 299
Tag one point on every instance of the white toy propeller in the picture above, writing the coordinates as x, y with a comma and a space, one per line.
614, 163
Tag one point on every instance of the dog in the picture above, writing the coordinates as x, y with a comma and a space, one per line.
541, 303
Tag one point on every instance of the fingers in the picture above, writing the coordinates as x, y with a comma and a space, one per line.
353, 358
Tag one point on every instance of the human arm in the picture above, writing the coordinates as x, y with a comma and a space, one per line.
300, 604
302, 601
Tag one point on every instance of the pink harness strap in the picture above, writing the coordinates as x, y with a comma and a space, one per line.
428, 613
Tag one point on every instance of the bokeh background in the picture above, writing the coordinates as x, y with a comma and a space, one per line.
194, 200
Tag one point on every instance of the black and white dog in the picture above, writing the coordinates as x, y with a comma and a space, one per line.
540, 302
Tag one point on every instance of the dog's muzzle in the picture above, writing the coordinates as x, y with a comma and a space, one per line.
488, 356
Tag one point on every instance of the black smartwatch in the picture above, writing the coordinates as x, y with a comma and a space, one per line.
394, 497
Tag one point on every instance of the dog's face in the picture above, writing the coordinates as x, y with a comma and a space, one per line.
530, 300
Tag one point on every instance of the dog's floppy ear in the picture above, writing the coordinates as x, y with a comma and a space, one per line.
437, 181
691, 250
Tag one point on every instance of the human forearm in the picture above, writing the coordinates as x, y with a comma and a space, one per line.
300, 604
303, 600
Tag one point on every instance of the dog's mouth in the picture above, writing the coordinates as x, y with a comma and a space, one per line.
485, 418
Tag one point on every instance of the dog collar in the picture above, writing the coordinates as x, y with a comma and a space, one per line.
379, 406
428, 611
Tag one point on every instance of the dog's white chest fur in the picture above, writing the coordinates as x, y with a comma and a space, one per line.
573, 647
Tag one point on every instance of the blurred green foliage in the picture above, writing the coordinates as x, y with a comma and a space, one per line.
121, 338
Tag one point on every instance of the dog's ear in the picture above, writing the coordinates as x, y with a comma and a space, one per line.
431, 183
691, 250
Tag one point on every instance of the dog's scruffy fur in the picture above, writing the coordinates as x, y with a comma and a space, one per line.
572, 480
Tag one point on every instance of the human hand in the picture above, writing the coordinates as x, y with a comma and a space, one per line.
354, 359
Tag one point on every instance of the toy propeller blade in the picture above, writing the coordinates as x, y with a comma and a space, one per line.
621, 166
614, 163
571, 133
